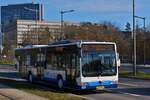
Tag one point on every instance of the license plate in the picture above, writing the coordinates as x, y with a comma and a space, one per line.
100, 87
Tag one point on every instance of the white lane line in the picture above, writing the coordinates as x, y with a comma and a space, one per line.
128, 84
136, 95
125, 93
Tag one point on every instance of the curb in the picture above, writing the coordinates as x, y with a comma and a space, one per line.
13, 79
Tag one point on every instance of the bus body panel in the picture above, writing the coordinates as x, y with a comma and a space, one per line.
98, 82
52, 75
69, 55
33, 70
93, 82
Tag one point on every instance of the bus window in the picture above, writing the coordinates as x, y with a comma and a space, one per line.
41, 57
28, 60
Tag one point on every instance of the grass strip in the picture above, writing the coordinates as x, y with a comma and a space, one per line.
40, 91
139, 75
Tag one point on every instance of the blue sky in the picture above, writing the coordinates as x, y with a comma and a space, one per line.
116, 11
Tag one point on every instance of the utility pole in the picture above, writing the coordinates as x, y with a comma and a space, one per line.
62, 24
1, 36
144, 41
144, 29
37, 12
134, 41
62, 21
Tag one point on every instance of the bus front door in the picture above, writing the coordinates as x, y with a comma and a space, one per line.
40, 71
71, 71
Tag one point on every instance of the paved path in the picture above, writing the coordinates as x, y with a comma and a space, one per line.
4, 98
8, 93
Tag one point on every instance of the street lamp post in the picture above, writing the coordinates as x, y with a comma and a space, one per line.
62, 21
134, 40
144, 41
1, 37
144, 29
36, 19
37, 11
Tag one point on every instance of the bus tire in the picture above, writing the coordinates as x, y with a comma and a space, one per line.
30, 78
60, 83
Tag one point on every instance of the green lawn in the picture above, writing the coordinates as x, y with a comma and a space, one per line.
40, 91
6, 62
139, 75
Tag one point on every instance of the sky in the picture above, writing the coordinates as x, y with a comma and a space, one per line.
118, 12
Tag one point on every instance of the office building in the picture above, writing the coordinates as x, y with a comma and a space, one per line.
18, 30
27, 11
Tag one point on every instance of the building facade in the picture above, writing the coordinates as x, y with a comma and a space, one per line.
36, 31
27, 11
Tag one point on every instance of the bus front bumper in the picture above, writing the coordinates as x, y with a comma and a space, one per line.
99, 85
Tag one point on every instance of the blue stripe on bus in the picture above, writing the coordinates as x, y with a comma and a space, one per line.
53, 80
90, 85
50, 79
99, 83
111, 86
93, 85
106, 83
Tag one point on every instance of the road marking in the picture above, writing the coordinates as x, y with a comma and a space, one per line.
130, 94
135, 95
124, 93
128, 84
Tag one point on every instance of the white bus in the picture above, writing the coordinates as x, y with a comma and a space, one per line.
69, 64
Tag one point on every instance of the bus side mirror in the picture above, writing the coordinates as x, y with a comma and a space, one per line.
118, 63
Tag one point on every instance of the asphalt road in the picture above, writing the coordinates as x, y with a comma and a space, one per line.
129, 89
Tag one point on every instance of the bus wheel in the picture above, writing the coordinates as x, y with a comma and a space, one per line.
30, 78
60, 83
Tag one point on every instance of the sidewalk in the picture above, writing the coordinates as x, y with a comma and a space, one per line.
9, 73
18, 94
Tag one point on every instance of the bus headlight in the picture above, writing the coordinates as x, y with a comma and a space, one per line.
114, 82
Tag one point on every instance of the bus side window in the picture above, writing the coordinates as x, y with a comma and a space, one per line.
73, 60
60, 62
63, 59
54, 61
28, 60
67, 58
38, 57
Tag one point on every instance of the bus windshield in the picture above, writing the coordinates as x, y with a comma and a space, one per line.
98, 63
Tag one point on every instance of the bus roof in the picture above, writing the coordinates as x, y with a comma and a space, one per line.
32, 46
65, 43
98, 43
81, 41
